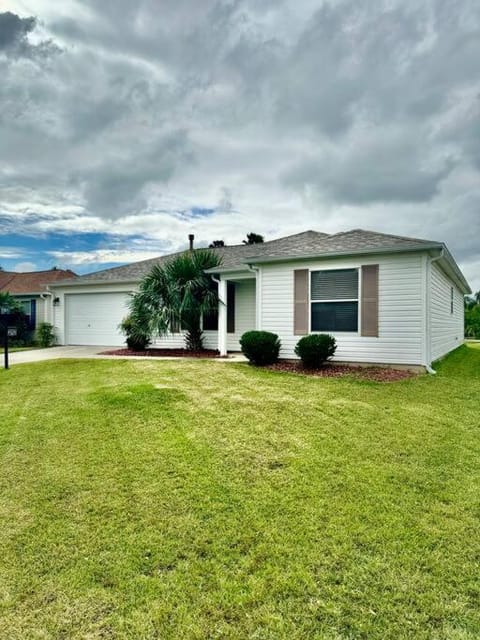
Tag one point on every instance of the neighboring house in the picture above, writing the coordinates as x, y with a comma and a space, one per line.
386, 299
30, 289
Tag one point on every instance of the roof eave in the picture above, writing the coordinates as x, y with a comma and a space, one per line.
83, 283
241, 267
455, 273
16, 294
349, 252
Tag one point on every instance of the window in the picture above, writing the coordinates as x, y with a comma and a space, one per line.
29, 309
451, 300
334, 300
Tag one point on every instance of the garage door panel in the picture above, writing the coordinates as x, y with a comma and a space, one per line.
93, 318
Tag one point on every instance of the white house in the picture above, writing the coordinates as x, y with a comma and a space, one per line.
29, 288
385, 298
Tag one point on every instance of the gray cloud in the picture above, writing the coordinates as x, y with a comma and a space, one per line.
276, 115
118, 190
368, 168
14, 32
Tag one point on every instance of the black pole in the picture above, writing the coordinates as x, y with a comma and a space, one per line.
5, 350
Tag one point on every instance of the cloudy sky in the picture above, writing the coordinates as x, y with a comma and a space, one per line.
125, 125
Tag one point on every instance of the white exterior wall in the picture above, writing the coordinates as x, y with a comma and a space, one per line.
402, 308
244, 314
446, 329
244, 321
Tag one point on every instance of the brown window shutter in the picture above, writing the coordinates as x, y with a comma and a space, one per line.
370, 300
230, 307
300, 302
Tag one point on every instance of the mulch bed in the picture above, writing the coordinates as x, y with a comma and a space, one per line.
162, 353
374, 374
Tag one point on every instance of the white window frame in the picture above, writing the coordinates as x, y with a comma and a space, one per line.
358, 269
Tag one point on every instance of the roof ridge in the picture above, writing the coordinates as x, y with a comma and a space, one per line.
388, 235
308, 242
175, 253
20, 273
295, 235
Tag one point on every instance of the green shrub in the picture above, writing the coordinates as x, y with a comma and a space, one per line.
45, 335
315, 349
260, 347
136, 336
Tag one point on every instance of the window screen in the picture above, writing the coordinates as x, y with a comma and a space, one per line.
334, 300
341, 284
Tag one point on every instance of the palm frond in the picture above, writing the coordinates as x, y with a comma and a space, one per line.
177, 293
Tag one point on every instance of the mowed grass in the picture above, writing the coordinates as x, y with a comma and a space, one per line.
197, 499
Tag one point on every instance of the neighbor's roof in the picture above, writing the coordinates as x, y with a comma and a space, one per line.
32, 281
308, 244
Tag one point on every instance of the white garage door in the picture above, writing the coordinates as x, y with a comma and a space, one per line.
93, 318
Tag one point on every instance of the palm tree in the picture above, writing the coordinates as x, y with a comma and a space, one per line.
176, 295
9, 303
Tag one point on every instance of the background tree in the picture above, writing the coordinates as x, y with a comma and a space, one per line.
253, 238
216, 243
175, 295
472, 316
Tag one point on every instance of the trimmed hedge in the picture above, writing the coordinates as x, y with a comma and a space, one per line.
260, 347
315, 349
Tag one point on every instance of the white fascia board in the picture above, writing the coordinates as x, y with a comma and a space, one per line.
86, 283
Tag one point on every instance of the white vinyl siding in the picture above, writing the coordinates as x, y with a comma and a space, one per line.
446, 328
245, 307
104, 306
244, 321
401, 308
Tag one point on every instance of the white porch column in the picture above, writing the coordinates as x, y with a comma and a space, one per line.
222, 317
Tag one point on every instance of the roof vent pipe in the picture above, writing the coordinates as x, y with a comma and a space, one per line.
191, 238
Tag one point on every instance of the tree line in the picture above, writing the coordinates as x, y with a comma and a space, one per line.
472, 316
252, 238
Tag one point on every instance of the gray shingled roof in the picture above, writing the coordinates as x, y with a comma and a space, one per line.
308, 243
311, 243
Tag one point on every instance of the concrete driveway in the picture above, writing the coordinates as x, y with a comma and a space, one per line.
38, 355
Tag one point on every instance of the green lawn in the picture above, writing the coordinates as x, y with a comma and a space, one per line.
197, 499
